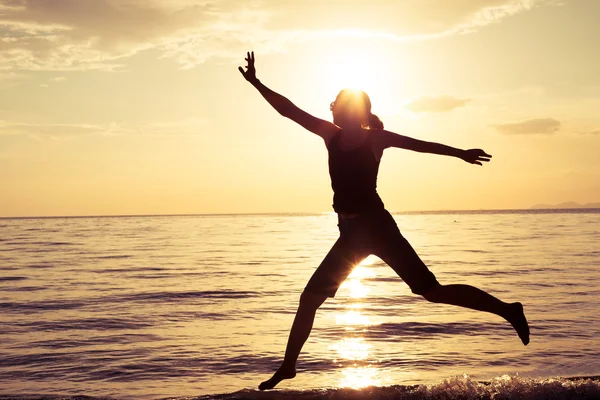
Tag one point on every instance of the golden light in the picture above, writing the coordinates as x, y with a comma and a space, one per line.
354, 72
356, 288
360, 377
369, 260
353, 282
360, 271
356, 348
358, 66
352, 318
352, 349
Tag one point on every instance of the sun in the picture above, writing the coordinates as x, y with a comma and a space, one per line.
358, 64
358, 60
355, 70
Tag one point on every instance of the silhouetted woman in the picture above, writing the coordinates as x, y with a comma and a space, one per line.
355, 142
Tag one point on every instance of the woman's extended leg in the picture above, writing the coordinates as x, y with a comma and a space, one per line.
303, 322
345, 254
476, 299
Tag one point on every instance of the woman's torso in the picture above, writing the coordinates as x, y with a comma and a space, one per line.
353, 171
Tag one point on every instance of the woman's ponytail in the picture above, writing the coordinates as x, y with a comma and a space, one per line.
374, 122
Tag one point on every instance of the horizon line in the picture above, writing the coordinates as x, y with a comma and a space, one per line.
303, 213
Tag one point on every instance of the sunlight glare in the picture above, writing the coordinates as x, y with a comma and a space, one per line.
356, 288
353, 283
360, 377
352, 349
354, 72
354, 67
369, 260
352, 317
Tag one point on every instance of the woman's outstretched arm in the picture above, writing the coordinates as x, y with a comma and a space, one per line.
285, 107
472, 156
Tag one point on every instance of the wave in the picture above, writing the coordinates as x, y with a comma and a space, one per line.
463, 388
504, 387
148, 297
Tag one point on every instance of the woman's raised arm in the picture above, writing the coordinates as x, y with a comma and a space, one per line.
285, 107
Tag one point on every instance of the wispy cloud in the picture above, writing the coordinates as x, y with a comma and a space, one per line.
41, 131
435, 104
74, 34
594, 132
184, 127
100, 34
531, 126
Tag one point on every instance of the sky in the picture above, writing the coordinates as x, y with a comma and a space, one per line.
121, 107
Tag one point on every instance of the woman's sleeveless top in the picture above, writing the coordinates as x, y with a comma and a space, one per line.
353, 177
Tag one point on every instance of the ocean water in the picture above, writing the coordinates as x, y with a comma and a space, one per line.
200, 307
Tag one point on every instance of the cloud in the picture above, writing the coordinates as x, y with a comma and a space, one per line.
52, 81
100, 34
436, 104
531, 126
407, 18
183, 127
41, 131
74, 34
595, 132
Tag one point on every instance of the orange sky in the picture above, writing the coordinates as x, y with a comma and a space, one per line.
137, 107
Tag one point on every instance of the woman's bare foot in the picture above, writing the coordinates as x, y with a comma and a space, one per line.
277, 377
517, 319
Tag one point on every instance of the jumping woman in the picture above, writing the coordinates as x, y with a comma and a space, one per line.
355, 142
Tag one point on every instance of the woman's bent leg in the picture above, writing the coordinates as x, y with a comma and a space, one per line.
476, 299
303, 322
395, 250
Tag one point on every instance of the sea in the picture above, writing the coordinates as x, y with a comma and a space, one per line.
200, 307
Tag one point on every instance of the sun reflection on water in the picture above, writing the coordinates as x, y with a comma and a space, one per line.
360, 377
369, 260
353, 284
352, 318
353, 350
356, 288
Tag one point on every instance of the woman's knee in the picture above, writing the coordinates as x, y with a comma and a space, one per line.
312, 300
432, 294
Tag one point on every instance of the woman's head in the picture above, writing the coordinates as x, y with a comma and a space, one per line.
353, 108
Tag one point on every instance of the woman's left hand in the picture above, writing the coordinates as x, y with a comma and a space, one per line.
475, 156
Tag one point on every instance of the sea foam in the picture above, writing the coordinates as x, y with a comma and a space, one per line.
458, 388
463, 388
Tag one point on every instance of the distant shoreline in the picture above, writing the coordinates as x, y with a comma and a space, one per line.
292, 214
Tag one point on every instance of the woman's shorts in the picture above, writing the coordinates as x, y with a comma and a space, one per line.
370, 233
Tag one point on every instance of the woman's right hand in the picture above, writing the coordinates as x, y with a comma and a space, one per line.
475, 156
250, 72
